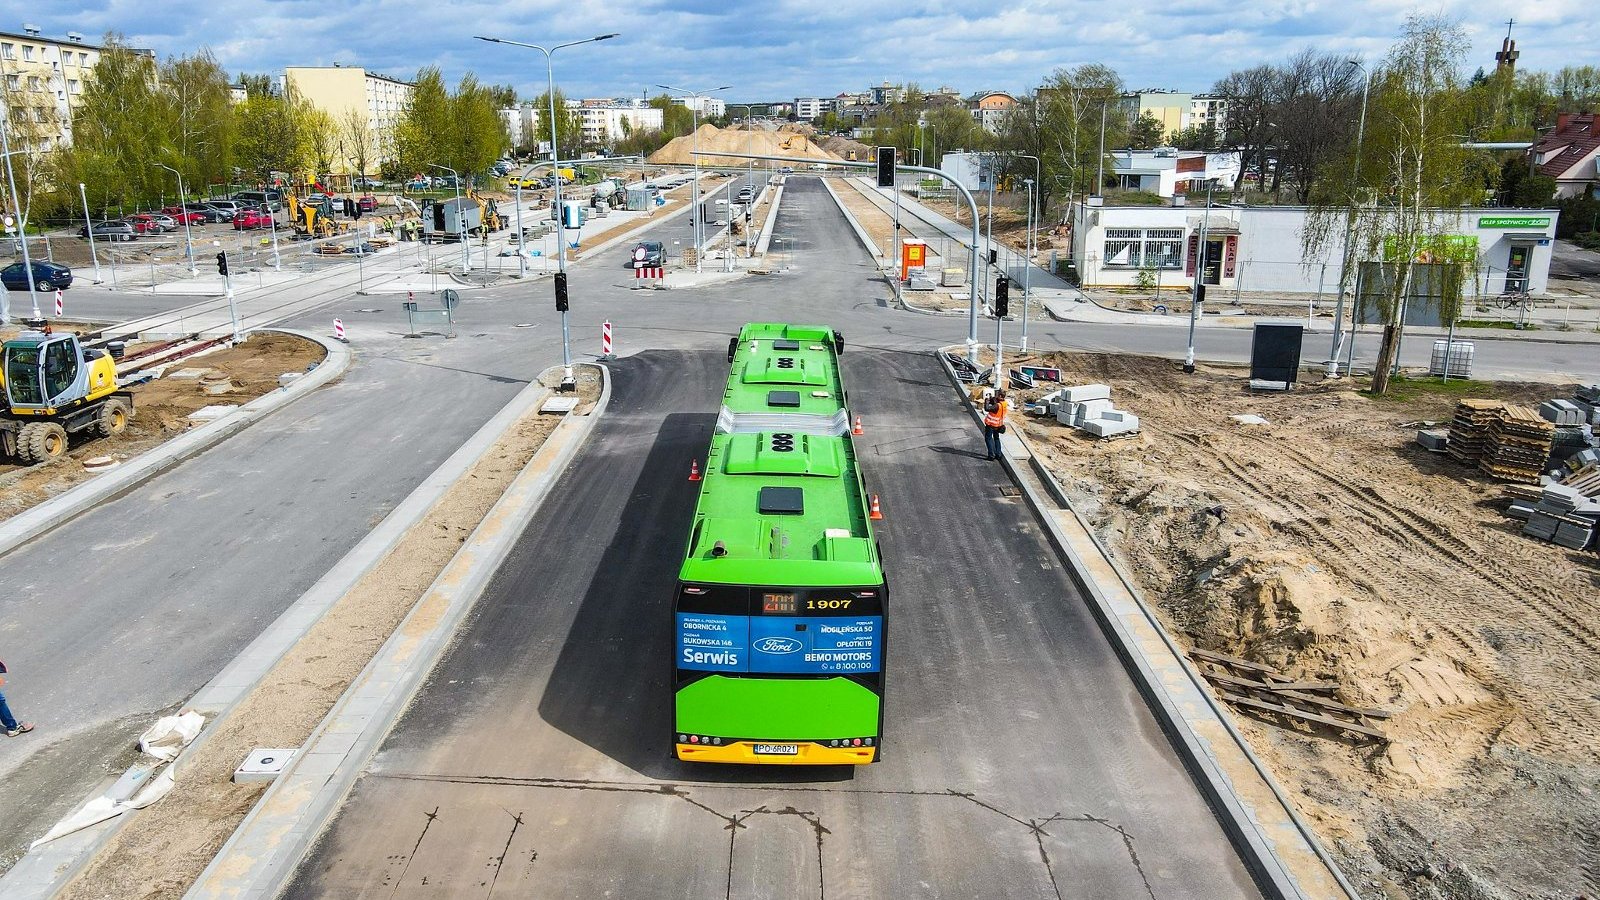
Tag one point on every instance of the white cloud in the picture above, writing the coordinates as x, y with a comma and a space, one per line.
802, 47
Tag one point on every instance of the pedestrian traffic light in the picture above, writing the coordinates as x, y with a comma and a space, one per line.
885, 167
1002, 297
1200, 293
994, 256
222, 263
561, 292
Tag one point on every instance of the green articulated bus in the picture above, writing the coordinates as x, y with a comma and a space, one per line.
781, 609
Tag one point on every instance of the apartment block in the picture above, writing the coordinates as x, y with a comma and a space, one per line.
42, 80
338, 89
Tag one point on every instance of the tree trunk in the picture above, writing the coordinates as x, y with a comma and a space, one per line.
1380, 372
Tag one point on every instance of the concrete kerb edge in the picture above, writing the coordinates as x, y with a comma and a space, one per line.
765, 240
261, 854
67, 506
1237, 819
53, 866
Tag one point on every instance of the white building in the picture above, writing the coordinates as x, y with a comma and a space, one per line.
339, 90
605, 124
808, 108
972, 171
1258, 248
1209, 109
705, 107
1166, 171
44, 81
512, 117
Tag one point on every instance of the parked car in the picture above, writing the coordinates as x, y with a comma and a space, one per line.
252, 218
144, 224
367, 203
183, 215
166, 222
47, 276
647, 255
268, 200
115, 230
212, 213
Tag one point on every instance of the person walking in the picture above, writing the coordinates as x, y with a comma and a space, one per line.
994, 421
7, 720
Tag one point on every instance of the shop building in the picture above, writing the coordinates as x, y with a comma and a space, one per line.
1258, 248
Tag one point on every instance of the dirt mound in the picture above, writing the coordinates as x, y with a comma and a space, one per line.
680, 150
842, 147
1328, 546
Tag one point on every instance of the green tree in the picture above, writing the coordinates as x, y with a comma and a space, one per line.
197, 114
116, 132
1197, 137
1520, 187
318, 137
424, 124
1413, 175
1147, 133
265, 139
1060, 122
479, 134
569, 125
676, 121
356, 137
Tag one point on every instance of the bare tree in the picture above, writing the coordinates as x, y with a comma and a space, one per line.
360, 144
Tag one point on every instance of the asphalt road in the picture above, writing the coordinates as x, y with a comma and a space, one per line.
1568, 260
1019, 759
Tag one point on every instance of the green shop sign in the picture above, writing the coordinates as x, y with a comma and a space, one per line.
1513, 221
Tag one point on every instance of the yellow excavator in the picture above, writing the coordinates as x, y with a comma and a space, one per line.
54, 386
313, 216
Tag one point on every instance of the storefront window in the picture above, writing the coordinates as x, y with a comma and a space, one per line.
1135, 248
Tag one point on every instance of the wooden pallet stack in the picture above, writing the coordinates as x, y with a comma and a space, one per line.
1263, 689
1469, 430
1518, 445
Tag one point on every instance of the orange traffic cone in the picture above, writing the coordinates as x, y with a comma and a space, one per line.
694, 470
877, 513
857, 429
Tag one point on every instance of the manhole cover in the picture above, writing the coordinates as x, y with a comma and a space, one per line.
370, 309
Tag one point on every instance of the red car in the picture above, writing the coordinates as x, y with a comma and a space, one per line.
144, 223
252, 218
183, 216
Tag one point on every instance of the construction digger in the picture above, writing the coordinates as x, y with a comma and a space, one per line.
54, 386
311, 211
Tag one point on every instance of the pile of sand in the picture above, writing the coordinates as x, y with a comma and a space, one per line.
680, 150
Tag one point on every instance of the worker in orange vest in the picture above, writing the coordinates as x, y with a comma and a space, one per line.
994, 421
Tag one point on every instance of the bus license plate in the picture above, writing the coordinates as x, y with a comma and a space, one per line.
777, 749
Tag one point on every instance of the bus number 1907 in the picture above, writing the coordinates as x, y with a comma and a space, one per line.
828, 604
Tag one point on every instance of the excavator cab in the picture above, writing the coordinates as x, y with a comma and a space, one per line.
53, 386
51, 371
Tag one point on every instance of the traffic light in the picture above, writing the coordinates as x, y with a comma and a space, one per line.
561, 292
1002, 297
885, 167
222, 263
994, 256
1200, 293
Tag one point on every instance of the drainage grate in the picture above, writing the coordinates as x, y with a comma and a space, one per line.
1010, 490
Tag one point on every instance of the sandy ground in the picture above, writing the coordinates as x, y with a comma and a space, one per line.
165, 850
879, 225
1328, 545
676, 199
160, 413
711, 139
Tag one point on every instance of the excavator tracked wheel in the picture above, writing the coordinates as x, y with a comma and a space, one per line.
113, 419
42, 442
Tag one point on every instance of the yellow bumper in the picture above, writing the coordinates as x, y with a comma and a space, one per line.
811, 754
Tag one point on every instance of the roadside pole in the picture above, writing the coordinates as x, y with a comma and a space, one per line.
1199, 276
227, 288
1027, 265
522, 250
894, 246
88, 227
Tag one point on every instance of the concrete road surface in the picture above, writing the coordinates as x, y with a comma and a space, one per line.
1019, 760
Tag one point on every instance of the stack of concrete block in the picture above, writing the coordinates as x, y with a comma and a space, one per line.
1563, 516
1587, 400
1563, 412
1088, 407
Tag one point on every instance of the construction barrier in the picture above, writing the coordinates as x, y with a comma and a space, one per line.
657, 273
605, 341
338, 329
59, 305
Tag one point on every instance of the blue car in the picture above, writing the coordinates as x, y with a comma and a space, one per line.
47, 276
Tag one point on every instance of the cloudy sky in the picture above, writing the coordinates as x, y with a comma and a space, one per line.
787, 48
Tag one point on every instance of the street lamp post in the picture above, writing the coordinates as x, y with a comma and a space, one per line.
1332, 370
568, 382
188, 242
1027, 242
1199, 276
698, 216
461, 220
88, 227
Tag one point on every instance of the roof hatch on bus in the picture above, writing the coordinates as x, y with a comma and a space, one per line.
783, 453
783, 368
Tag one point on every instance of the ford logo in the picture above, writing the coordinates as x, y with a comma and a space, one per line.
778, 645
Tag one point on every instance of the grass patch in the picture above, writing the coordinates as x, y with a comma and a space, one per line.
1495, 323
1403, 390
